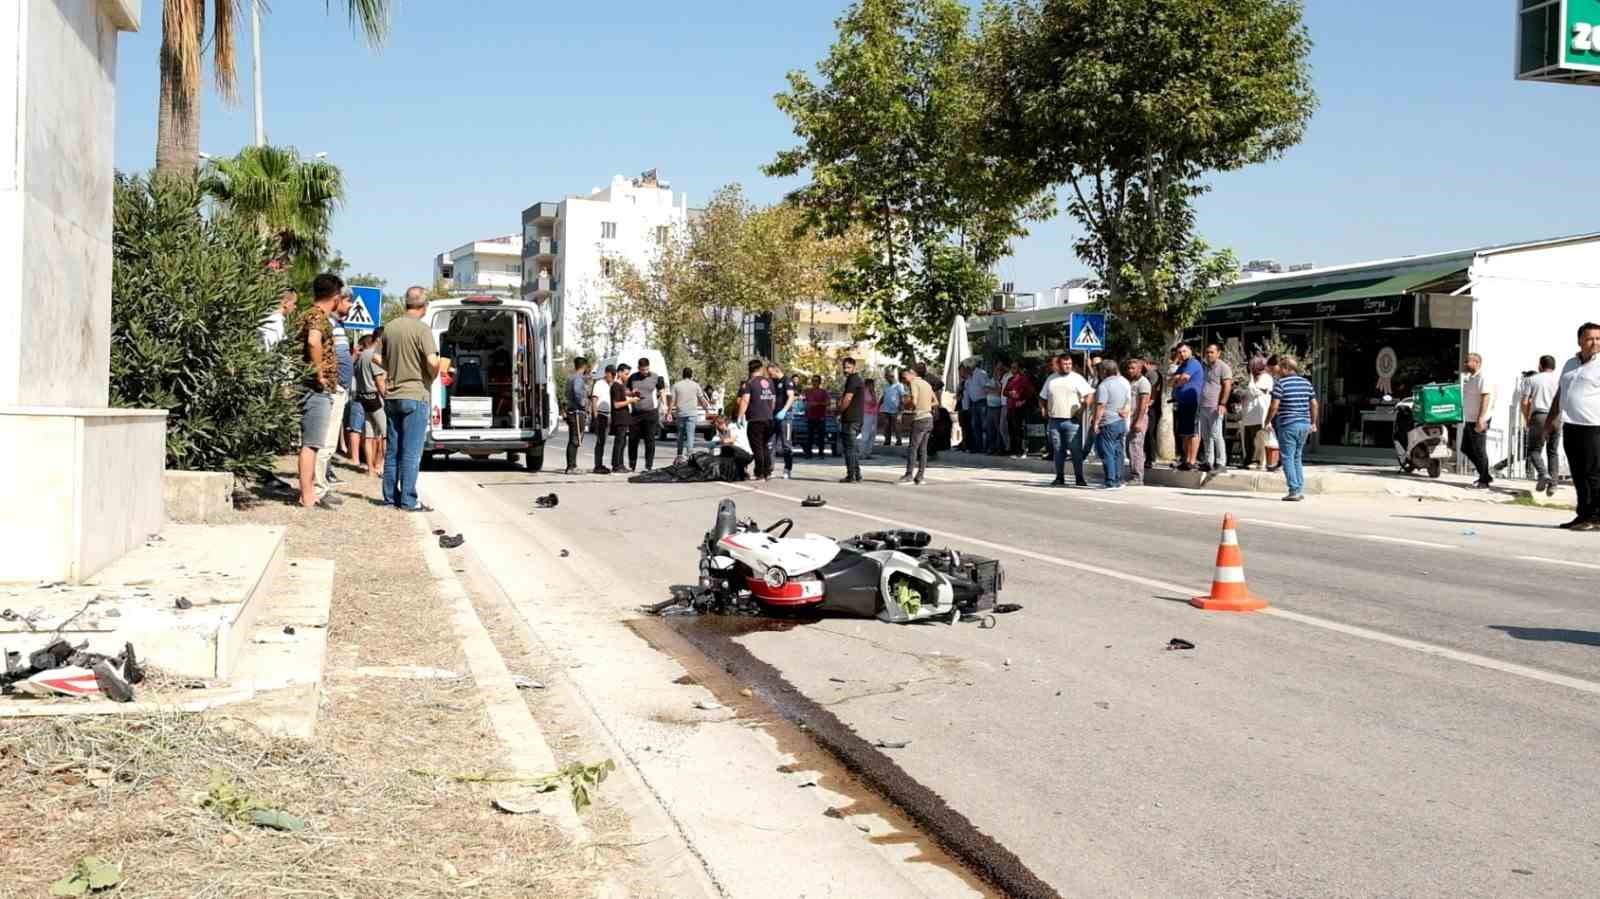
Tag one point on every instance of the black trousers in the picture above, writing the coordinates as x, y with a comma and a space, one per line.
646, 425
850, 434
602, 427
1582, 443
1014, 429
783, 443
760, 435
1475, 445
574, 437
816, 436
619, 442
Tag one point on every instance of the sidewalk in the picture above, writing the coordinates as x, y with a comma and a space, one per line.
1321, 479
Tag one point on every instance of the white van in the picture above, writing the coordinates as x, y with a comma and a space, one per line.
501, 393
658, 366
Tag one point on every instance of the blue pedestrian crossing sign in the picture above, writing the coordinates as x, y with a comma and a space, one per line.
367, 312
1088, 331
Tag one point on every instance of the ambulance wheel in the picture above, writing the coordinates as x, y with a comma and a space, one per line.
1433, 469
533, 459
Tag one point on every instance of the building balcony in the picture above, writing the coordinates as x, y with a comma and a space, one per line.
542, 285
541, 212
541, 248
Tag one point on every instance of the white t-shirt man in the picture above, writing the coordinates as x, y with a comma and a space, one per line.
1580, 392
1473, 389
1064, 395
1541, 390
600, 394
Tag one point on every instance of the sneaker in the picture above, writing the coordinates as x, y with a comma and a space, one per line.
570, 471
1551, 490
1590, 525
333, 478
918, 482
1294, 498
1183, 466
1080, 483
847, 479
787, 474
1058, 482
1133, 482
1478, 485
602, 470
1542, 486
907, 479
1569, 525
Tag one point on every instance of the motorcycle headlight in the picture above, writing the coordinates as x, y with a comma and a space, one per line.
775, 577
955, 559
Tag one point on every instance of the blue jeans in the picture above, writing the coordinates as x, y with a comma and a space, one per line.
1292, 446
1108, 446
1064, 438
408, 430
686, 425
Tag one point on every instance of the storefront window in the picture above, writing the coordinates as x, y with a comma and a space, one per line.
1359, 408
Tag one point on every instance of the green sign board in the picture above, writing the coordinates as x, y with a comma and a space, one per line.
1559, 40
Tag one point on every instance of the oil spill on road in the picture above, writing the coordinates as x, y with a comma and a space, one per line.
844, 762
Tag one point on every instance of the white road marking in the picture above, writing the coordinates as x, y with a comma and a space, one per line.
1186, 511
1382, 538
1166, 587
1034, 488
1278, 524
1559, 562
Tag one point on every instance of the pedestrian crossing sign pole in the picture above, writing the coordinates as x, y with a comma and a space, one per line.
367, 311
1087, 331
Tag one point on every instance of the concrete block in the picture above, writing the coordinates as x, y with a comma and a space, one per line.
221, 572
288, 668
197, 497
83, 487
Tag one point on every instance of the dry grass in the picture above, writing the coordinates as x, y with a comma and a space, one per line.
126, 789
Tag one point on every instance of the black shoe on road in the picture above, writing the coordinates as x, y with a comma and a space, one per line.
570, 471
602, 470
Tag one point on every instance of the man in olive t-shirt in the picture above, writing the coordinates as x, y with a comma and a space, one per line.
411, 357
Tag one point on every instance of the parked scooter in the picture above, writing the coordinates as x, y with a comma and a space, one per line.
1419, 446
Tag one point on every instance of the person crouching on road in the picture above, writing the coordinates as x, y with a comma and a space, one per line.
1576, 408
733, 442
918, 402
600, 414
577, 400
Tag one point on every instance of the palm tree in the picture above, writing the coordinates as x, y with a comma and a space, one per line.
183, 26
291, 200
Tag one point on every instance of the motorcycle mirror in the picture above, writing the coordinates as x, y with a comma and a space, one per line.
955, 558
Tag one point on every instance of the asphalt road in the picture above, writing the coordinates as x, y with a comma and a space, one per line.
1417, 717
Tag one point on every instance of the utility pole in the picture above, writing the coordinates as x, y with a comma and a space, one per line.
255, 42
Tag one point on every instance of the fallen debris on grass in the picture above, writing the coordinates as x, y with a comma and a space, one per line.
1179, 643
239, 807
91, 874
580, 780
448, 542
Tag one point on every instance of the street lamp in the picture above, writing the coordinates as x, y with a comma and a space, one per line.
255, 45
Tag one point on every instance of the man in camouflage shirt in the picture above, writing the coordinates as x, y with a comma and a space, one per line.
316, 407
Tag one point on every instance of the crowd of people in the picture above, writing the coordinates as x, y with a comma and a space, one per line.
372, 402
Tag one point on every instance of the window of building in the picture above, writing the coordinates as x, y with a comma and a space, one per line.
608, 230
606, 267
661, 234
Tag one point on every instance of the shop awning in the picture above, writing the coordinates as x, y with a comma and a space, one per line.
1376, 291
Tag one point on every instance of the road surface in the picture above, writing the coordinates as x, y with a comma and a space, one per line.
1417, 715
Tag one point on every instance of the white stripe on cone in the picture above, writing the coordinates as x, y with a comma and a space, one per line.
1230, 537
1229, 576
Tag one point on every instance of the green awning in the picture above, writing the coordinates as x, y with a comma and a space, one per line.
1336, 287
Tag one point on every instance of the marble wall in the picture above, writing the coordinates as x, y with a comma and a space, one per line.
58, 76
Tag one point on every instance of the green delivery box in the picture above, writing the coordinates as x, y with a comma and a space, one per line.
1438, 404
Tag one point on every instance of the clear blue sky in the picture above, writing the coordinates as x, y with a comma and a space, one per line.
472, 111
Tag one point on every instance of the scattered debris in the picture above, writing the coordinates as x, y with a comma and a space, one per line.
447, 542
1007, 608
747, 693
438, 532
289, 629
1469, 532
519, 804
832, 812
524, 682
1522, 871
814, 501
239, 807
91, 874
1007, 663
892, 744
564, 554
1102, 704
183, 602
548, 501
808, 782
1179, 643
61, 669
706, 705
863, 828
405, 672
579, 779
838, 680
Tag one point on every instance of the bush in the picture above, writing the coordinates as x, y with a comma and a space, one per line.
189, 291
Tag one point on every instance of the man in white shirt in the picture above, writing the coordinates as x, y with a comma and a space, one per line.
1477, 401
1538, 392
600, 414
976, 394
1062, 401
1577, 407
271, 330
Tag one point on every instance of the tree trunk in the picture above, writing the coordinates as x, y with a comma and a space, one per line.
178, 111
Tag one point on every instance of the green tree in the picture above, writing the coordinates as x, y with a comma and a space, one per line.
794, 270
188, 294
290, 200
1131, 104
890, 139
183, 41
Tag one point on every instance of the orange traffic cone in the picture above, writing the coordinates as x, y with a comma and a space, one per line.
1228, 590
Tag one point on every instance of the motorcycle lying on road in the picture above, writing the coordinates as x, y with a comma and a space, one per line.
892, 575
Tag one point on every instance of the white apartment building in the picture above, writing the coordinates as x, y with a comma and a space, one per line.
568, 251
495, 262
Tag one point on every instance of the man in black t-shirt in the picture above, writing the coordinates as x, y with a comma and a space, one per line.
622, 402
784, 389
650, 391
851, 401
757, 405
